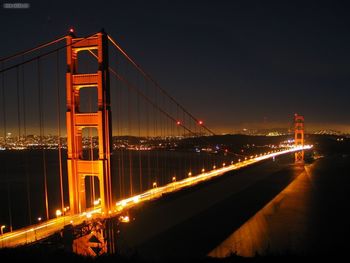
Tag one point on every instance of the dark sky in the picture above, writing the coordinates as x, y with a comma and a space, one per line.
234, 64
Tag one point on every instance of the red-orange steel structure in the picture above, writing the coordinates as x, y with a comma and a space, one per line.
78, 168
299, 137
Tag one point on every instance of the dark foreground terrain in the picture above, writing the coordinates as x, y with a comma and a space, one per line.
47, 254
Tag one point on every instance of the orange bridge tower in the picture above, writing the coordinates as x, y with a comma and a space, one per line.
299, 137
78, 168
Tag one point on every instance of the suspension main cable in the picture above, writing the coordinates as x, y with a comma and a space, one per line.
156, 106
25, 52
44, 54
148, 76
138, 91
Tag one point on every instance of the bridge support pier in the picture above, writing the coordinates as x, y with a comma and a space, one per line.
111, 233
93, 238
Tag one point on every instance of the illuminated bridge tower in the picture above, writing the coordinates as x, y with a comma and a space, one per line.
299, 137
78, 168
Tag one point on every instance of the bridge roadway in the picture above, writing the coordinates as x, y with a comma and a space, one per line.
45, 229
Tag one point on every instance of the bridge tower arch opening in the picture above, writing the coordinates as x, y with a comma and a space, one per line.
299, 137
78, 168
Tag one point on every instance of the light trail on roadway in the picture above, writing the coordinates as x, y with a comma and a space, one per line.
157, 192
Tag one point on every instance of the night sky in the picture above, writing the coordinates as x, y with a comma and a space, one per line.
235, 64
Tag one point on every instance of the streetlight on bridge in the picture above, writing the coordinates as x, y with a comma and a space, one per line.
58, 213
65, 210
2, 229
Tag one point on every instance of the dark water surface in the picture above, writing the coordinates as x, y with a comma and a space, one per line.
22, 178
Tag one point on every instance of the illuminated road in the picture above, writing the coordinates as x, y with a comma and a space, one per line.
40, 231
157, 192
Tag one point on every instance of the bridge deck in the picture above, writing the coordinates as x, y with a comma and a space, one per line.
40, 231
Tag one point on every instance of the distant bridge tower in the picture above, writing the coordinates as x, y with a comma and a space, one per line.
299, 137
78, 168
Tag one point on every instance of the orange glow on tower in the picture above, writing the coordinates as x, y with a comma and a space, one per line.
299, 137
78, 168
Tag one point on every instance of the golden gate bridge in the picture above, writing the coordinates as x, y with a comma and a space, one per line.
91, 170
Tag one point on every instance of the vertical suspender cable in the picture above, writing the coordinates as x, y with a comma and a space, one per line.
18, 105
155, 134
26, 159
129, 140
59, 129
122, 148
9, 203
41, 127
148, 137
119, 150
19, 139
164, 138
139, 135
